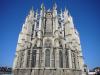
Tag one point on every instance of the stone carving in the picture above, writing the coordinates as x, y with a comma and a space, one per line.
48, 44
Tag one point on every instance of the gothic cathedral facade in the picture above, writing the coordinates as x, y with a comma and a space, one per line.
48, 44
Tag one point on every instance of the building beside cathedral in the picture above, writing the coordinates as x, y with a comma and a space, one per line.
48, 44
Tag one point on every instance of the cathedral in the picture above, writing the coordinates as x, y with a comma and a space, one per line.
48, 44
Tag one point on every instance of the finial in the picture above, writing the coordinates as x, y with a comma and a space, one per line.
61, 11
36, 13
31, 11
66, 11
42, 6
55, 6
36, 10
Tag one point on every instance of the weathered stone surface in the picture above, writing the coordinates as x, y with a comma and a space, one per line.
48, 44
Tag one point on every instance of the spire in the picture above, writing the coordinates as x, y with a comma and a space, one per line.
55, 10
37, 11
65, 15
66, 11
30, 16
42, 10
32, 10
55, 6
42, 6
61, 12
36, 15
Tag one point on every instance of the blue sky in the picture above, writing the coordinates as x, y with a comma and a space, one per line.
85, 13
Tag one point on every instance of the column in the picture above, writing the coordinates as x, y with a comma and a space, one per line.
35, 24
43, 58
57, 58
51, 58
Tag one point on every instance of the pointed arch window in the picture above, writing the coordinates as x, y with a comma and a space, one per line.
60, 59
47, 58
28, 58
33, 58
60, 44
66, 58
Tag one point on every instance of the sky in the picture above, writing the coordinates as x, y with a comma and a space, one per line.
86, 17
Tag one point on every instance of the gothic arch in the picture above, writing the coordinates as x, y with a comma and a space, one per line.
28, 58
33, 58
60, 44
66, 58
56, 42
47, 58
60, 59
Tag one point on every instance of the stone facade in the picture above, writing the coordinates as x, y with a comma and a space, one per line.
48, 44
